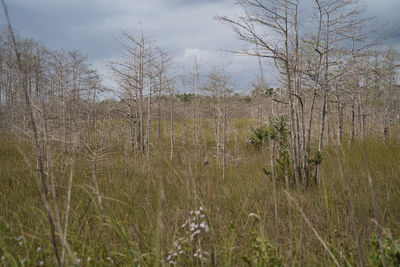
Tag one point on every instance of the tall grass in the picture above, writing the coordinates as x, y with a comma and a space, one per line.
146, 203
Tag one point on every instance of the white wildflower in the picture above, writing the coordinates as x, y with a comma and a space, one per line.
205, 227
195, 233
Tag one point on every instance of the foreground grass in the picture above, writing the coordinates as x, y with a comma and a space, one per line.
146, 203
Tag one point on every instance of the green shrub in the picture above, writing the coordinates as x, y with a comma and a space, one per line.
391, 248
263, 254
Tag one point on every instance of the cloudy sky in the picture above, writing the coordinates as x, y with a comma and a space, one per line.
185, 28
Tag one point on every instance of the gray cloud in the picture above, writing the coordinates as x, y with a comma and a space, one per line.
186, 28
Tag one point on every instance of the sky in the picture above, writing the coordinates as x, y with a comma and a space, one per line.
184, 28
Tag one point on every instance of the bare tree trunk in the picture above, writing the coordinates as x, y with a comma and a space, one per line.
328, 122
325, 95
216, 121
353, 118
362, 116
290, 95
272, 151
172, 132
160, 86
321, 135
64, 140
130, 126
339, 121
141, 121
224, 138
148, 124
197, 100
298, 104
137, 121
194, 108
159, 112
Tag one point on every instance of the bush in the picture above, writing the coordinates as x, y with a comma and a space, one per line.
391, 248
263, 254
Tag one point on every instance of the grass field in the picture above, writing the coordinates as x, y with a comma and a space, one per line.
181, 212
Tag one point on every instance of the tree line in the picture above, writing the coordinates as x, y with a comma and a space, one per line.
336, 83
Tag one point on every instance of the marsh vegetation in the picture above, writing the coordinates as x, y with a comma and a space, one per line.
185, 170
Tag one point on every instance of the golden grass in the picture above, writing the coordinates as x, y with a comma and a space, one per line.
240, 209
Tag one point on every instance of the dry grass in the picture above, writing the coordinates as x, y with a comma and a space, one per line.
142, 226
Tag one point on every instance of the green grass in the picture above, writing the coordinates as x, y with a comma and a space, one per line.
239, 210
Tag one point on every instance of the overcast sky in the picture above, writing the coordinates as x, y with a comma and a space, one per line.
185, 28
